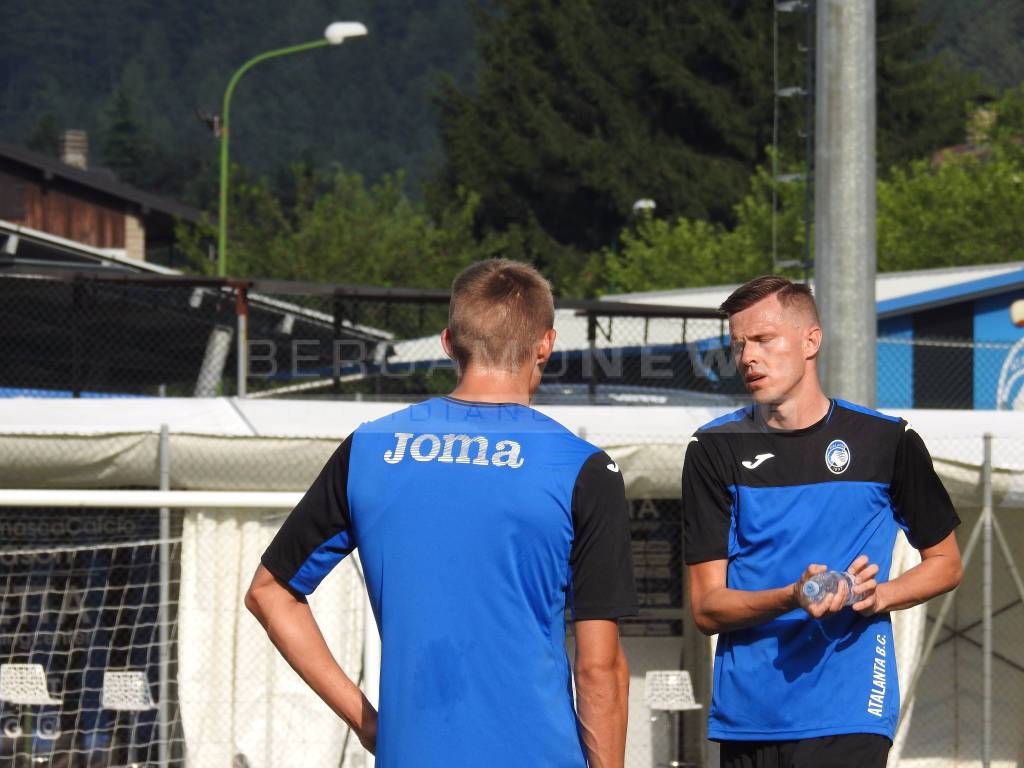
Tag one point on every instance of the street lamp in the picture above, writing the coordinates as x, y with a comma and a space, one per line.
335, 34
644, 206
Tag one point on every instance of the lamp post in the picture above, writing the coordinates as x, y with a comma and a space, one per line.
335, 34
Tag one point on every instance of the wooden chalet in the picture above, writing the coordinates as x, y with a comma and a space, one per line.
67, 199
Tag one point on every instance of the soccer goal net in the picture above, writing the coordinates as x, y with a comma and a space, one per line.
124, 641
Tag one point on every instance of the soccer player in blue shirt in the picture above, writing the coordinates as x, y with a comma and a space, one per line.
801, 482
479, 522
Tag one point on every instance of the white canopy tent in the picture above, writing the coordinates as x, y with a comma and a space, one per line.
275, 445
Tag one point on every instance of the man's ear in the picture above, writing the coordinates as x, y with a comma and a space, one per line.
546, 347
812, 342
446, 342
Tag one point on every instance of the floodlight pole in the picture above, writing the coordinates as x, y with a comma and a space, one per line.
844, 196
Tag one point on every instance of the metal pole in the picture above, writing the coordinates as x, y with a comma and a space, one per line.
591, 358
211, 373
986, 606
222, 211
808, 138
76, 499
675, 739
242, 356
163, 705
844, 196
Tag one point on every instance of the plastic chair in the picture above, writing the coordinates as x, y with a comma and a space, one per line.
126, 691
25, 684
670, 690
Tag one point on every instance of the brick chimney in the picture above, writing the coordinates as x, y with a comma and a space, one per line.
74, 148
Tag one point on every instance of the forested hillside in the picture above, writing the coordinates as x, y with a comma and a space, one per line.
141, 69
460, 129
986, 36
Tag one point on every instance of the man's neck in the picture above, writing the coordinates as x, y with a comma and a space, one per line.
493, 386
802, 410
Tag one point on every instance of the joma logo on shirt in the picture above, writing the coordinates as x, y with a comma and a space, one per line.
428, 447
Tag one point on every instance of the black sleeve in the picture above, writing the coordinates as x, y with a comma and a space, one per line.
318, 532
601, 560
920, 500
707, 507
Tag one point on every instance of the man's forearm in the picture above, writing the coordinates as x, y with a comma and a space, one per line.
602, 694
725, 610
929, 578
294, 631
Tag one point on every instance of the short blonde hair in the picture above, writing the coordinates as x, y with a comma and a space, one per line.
498, 313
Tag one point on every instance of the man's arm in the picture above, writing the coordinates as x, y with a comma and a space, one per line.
939, 571
602, 692
291, 627
924, 507
717, 608
601, 591
315, 537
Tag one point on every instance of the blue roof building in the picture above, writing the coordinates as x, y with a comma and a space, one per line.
945, 336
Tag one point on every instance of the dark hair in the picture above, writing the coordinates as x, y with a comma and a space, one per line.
499, 311
788, 292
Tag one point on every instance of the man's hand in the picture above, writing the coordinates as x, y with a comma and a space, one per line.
866, 601
829, 604
865, 586
368, 732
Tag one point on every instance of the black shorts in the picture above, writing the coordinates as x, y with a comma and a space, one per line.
848, 750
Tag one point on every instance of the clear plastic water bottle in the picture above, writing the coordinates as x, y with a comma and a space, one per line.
823, 585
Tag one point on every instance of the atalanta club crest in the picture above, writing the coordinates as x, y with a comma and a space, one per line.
837, 457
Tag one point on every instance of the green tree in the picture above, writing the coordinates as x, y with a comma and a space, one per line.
683, 253
961, 208
582, 108
982, 36
351, 233
124, 144
922, 99
45, 136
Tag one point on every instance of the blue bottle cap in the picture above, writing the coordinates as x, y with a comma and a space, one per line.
811, 589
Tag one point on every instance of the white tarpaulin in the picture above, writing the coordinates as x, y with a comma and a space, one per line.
260, 709
237, 694
111, 443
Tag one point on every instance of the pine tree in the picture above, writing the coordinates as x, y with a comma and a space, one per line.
922, 100
124, 144
45, 136
582, 108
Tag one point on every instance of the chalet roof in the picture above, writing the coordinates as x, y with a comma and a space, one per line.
96, 181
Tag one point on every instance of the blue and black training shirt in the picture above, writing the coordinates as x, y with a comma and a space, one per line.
477, 526
772, 502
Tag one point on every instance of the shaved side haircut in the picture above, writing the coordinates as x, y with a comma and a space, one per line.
790, 294
499, 311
